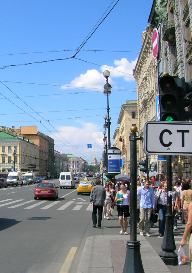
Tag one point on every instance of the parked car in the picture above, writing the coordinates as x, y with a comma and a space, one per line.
84, 187
3, 182
46, 190
38, 179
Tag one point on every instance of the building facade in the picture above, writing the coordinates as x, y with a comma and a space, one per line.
127, 118
18, 153
46, 148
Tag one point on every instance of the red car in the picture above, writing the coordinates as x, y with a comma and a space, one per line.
46, 190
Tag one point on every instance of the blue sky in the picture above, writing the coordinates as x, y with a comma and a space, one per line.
64, 98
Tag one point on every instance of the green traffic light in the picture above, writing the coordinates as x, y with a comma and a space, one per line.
169, 118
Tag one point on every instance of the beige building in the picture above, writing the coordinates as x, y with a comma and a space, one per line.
145, 74
18, 153
46, 148
127, 118
173, 19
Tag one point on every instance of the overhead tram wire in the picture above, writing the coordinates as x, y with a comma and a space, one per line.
97, 25
20, 108
19, 98
63, 50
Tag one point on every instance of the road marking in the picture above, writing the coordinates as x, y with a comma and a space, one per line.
9, 203
5, 200
81, 199
68, 261
35, 205
66, 205
77, 207
21, 204
68, 193
90, 207
51, 205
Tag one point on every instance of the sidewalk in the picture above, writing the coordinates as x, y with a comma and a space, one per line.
106, 254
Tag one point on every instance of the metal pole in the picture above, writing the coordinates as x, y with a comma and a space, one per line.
14, 161
108, 122
147, 162
133, 262
168, 245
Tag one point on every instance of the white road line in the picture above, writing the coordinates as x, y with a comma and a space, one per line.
21, 204
81, 199
90, 207
5, 200
9, 203
35, 205
66, 205
80, 203
67, 194
77, 207
51, 205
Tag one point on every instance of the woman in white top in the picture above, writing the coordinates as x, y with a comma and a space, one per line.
122, 200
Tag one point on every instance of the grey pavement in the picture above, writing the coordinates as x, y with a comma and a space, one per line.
106, 254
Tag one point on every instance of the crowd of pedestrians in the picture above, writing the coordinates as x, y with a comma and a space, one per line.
150, 200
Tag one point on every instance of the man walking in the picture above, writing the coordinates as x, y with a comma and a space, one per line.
97, 197
147, 203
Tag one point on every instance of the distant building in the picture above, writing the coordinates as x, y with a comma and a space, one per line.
61, 163
46, 148
127, 118
76, 164
18, 153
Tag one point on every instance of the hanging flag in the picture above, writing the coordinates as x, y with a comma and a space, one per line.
89, 146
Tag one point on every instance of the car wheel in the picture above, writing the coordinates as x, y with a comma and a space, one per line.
78, 193
56, 197
60, 187
35, 197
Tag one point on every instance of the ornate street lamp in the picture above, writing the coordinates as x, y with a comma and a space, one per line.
107, 92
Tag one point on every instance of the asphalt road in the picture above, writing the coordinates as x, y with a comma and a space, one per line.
40, 236
39, 239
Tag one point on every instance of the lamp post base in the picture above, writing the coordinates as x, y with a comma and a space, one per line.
133, 262
168, 254
169, 258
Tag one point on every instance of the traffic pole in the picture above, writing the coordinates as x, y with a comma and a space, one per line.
133, 262
168, 246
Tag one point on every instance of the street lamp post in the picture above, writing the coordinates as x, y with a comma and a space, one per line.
133, 262
107, 91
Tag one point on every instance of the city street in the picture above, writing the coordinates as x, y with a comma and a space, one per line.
39, 236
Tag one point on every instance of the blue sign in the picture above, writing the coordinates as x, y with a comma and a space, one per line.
114, 164
157, 108
89, 146
161, 158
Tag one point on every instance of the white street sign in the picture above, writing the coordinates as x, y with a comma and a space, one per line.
168, 138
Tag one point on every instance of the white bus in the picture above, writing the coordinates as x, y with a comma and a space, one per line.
66, 180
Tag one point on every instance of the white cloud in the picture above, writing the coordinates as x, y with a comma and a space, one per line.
74, 140
122, 68
93, 79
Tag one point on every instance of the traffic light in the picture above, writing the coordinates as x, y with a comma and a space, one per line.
172, 91
143, 166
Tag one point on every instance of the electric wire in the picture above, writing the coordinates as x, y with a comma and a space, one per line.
97, 25
19, 98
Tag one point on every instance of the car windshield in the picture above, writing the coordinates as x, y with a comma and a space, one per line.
12, 177
62, 177
45, 185
85, 183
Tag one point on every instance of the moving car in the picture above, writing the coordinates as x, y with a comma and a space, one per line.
14, 179
46, 190
3, 182
66, 180
84, 187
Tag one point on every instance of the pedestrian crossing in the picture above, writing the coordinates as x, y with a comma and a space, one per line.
59, 205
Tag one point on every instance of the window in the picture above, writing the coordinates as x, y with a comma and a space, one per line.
9, 159
9, 149
15, 149
3, 159
3, 149
133, 115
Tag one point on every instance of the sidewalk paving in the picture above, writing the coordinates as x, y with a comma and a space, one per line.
106, 254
